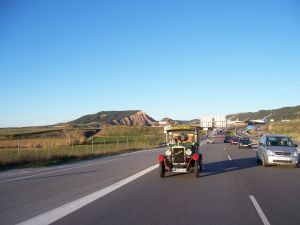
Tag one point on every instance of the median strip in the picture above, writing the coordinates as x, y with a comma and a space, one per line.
259, 211
64, 210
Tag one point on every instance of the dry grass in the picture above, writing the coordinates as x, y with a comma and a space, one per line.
53, 155
290, 128
72, 144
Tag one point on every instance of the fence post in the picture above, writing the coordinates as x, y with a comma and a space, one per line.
48, 151
127, 143
134, 142
19, 148
117, 143
92, 145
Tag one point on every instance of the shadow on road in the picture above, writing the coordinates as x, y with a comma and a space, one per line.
228, 166
225, 166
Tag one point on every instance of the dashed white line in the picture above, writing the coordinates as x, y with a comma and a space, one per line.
224, 149
64, 210
229, 157
259, 211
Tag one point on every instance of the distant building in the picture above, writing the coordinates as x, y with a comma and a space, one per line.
207, 122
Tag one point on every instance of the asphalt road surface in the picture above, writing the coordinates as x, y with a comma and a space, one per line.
232, 189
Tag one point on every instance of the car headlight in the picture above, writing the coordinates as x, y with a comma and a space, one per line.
188, 151
295, 154
168, 153
269, 152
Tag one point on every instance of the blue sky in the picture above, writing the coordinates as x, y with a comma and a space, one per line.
60, 60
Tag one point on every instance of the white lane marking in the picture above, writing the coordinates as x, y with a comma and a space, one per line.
224, 149
259, 210
229, 157
64, 210
55, 171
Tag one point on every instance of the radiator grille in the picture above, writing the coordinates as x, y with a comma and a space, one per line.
282, 161
178, 155
283, 153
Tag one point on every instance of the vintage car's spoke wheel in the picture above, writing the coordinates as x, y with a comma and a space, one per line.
196, 169
162, 169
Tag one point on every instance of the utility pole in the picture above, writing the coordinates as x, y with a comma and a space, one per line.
285, 128
19, 148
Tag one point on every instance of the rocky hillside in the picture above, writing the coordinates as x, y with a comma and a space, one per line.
127, 118
288, 113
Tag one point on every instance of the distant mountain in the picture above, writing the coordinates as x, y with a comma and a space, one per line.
187, 122
288, 113
127, 118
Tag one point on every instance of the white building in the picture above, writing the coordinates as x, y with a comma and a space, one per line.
213, 121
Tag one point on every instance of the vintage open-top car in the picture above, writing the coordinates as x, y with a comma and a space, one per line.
182, 154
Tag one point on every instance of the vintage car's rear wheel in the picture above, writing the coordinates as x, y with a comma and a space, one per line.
196, 168
162, 169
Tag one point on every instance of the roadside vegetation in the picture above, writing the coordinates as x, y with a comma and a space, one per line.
290, 128
285, 113
110, 140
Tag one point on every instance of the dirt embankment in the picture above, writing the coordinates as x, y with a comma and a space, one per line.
21, 138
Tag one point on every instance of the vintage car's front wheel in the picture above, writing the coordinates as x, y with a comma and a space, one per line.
196, 168
162, 169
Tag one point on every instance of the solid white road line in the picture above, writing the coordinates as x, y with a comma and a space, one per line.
64, 210
259, 211
229, 157
55, 171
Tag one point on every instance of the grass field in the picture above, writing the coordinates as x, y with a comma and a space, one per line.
290, 128
110, 141
108, 145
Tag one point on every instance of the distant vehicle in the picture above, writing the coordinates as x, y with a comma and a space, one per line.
227, 139
182, 155
277, 150
211, 141
244, 143
234, 140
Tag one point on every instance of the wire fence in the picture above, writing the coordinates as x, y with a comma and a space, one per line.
106, 145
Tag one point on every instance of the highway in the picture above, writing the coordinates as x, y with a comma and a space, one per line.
232, 189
